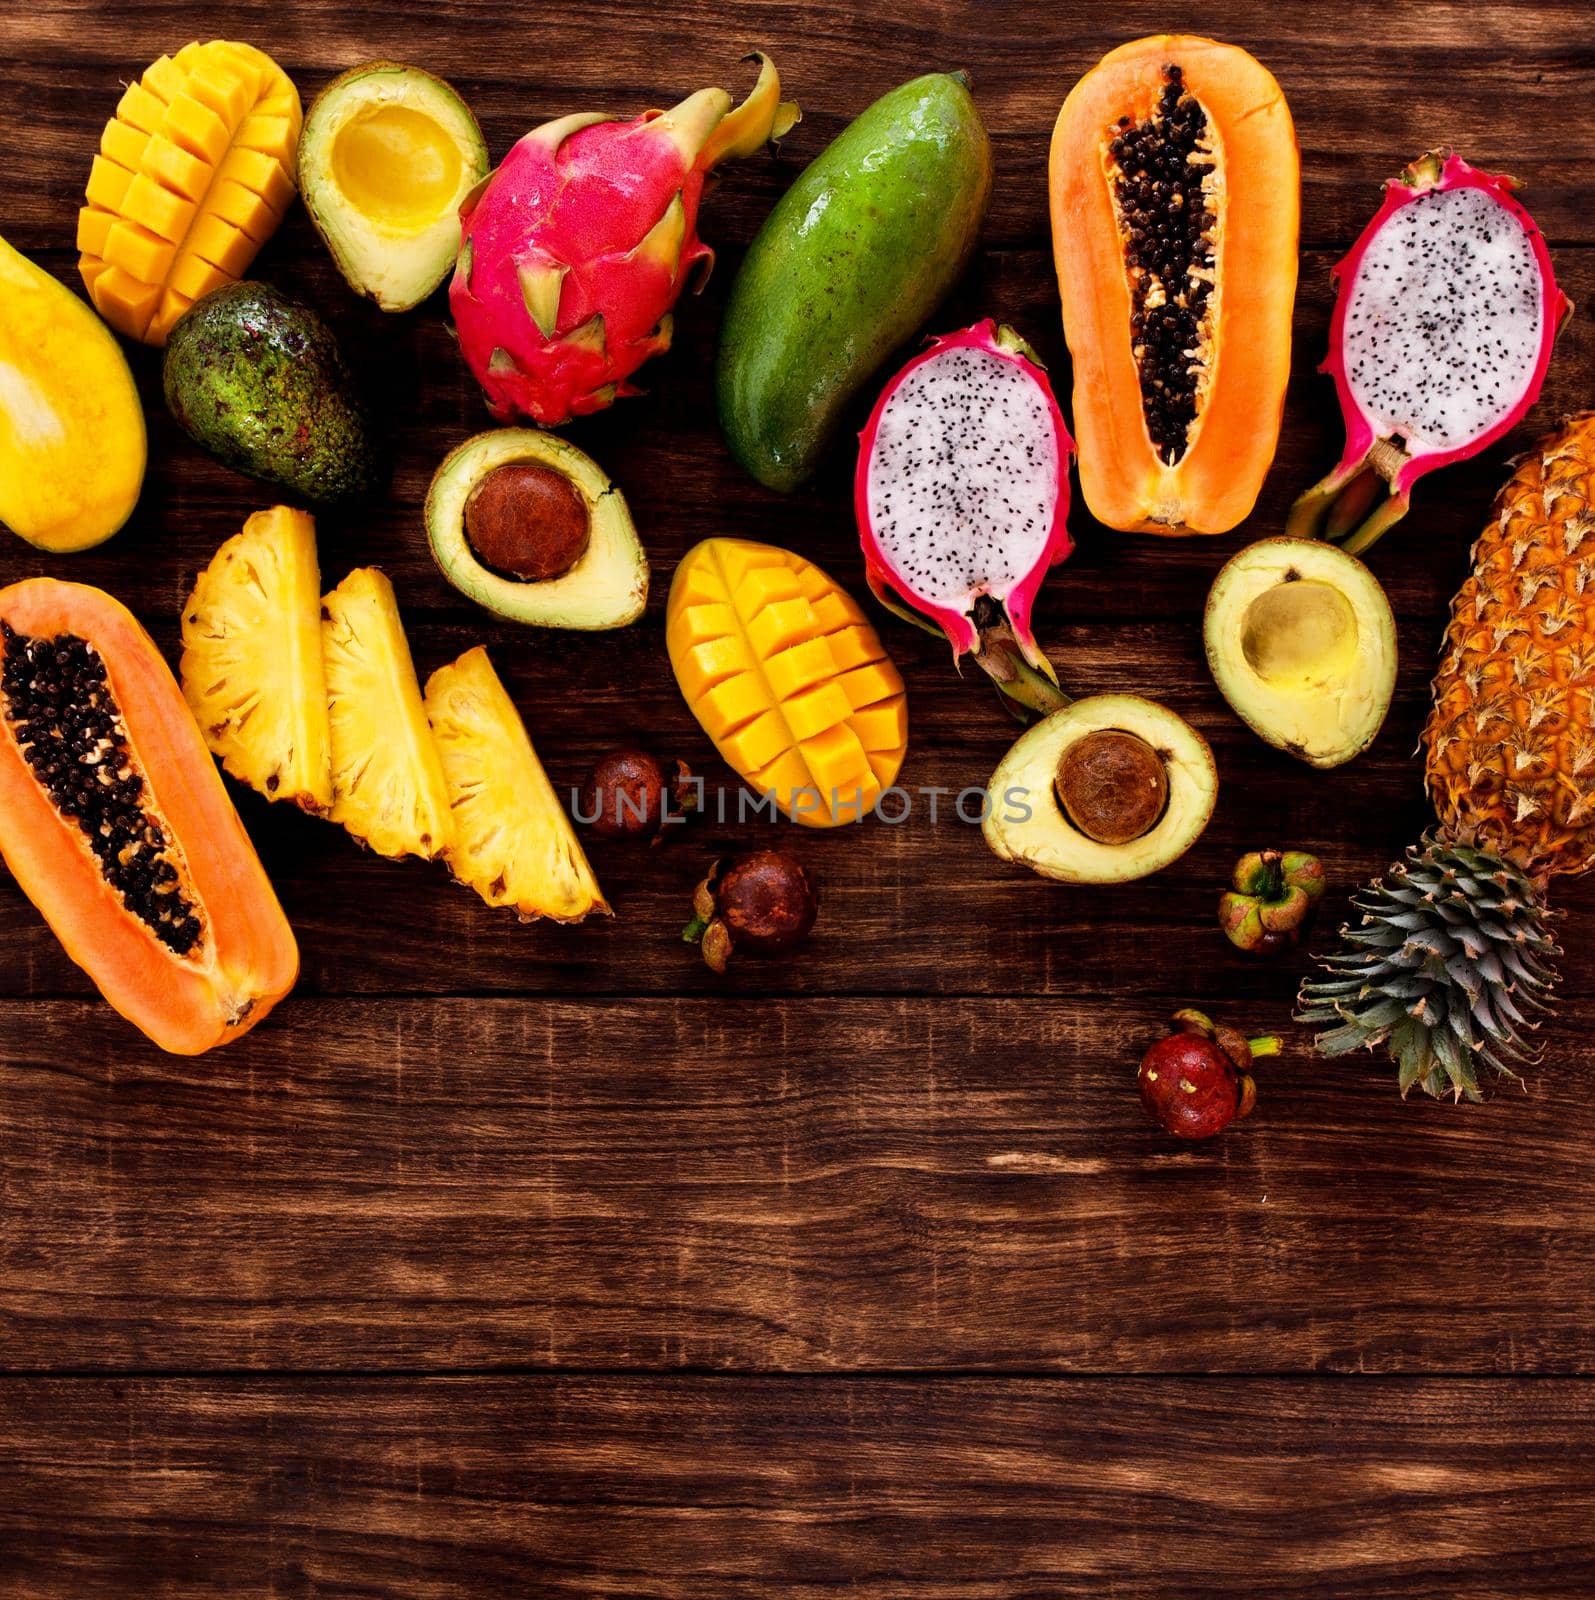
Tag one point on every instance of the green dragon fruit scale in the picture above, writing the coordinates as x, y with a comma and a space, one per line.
574, 250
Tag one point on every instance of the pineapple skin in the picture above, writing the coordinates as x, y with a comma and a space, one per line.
1511, 736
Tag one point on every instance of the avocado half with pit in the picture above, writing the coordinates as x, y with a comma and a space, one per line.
1106, 790
386, 157
1302, 643
527, 525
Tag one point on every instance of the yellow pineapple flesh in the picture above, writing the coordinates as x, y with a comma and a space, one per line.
387, 778
1511, 738
252, 668
513, 840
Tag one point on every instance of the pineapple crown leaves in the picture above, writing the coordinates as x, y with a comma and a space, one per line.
1451, 969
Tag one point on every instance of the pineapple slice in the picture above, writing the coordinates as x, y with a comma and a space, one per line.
387, 778
513, 841
251, 668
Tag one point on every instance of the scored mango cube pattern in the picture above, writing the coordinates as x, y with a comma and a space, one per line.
194, 173
788, 678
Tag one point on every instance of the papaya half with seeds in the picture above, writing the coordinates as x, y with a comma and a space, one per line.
1175, 189
115, 824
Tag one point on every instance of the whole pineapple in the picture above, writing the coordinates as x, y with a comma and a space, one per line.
1451, 965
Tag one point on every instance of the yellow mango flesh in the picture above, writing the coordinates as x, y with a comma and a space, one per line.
72, 446
194, 173
788, 678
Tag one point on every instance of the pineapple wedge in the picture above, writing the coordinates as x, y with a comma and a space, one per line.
251, 669
513, 841
387, 778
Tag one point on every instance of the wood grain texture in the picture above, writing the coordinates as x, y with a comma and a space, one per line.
1132, 1489
801, 1185
530, 1260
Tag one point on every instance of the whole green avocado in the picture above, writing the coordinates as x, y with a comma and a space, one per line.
854, 258
259, 381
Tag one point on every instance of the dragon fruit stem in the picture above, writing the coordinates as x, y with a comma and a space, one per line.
707, 131
1353, 503
999, 654
1025, 685
1348, 508
1373, 529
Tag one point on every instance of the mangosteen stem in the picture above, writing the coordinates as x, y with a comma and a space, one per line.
1268, 1045
1273, 876
694, 930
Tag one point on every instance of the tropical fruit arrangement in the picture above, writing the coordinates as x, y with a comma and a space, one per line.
1173, 185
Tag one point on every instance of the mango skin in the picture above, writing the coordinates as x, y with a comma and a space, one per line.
72, 444
851, 262
259, 381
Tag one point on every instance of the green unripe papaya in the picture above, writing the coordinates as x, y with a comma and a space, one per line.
851, 262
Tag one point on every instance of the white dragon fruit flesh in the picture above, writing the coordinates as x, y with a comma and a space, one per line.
962, 496
1446, 312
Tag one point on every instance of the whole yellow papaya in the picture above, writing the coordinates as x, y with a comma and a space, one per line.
72, 446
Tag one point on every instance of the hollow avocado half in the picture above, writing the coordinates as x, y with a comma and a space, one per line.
1302, 643
532, 503
1097, 764
387, 155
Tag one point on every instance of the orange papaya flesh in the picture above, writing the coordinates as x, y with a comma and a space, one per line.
115, 824
1175, 186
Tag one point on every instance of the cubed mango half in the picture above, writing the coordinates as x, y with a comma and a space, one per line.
788, 678
193, 174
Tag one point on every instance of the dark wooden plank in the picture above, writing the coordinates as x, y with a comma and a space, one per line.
745, 1184
1370, 85
1134, 1489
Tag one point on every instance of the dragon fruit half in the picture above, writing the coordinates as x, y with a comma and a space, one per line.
962, 495
1445, 315
574, 250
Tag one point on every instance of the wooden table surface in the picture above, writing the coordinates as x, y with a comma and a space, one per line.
536, 1261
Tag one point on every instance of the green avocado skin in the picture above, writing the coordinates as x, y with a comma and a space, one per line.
258, 381
853, 259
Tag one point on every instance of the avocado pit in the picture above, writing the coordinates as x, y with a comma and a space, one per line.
527, 522
1112, 785
1301, 631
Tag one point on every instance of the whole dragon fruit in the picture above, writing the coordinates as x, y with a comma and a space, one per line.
1445, 315
575, 248
962, 495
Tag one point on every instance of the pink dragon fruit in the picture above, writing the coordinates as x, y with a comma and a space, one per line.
574, 250
962, 496
1445, 315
